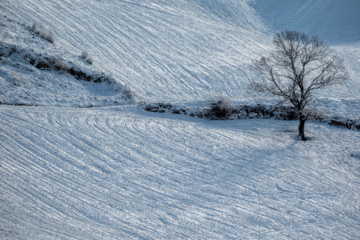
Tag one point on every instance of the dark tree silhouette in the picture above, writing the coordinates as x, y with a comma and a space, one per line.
297, 67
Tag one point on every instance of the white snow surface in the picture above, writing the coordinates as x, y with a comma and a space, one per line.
123, 173
118, 172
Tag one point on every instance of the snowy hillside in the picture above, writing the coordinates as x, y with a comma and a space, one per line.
185, 50
116, 171
164, 50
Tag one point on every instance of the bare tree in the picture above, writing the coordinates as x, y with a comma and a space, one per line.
297, 67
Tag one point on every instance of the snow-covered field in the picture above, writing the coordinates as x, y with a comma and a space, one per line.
118, 172
123, 173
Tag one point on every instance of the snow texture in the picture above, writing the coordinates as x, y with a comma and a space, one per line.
115, 171
123, 173
179, 51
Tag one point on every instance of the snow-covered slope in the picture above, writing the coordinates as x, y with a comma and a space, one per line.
164, 50
118, 172
123, 173
191, 50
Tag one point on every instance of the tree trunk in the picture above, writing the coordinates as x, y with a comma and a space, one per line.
302, 127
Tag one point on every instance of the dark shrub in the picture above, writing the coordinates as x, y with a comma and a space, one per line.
219, 109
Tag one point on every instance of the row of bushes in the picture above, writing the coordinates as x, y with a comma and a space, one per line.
43, 62
46, 62
222, 110
219, 112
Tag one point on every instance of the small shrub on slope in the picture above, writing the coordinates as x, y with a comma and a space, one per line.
87, 57
45, 34
219, 108
128, 93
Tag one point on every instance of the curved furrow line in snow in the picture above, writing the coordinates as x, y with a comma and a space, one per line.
150, 131
41, 190
46, 180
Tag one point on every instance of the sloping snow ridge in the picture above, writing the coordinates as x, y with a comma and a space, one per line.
117, 171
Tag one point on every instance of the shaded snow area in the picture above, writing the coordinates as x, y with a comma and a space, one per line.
336, 22
115, 171
123, 173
